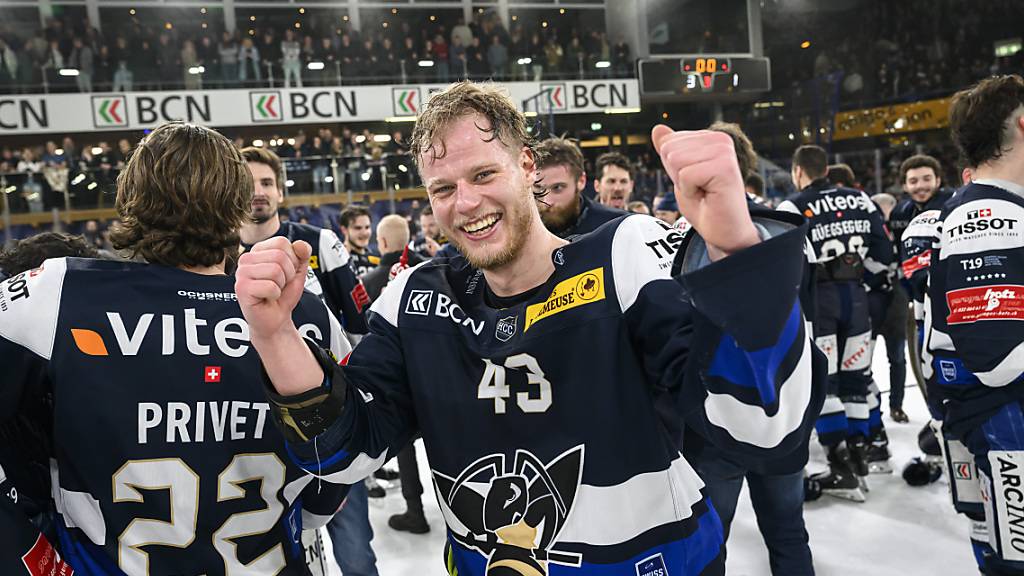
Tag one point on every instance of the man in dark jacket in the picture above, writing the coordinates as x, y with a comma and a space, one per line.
564, 209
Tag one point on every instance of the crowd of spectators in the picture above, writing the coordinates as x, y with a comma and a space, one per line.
149, 57
872, 52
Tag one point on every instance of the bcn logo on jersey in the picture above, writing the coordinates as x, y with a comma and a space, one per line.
1002, 302
585, 288
419, 302
230, 335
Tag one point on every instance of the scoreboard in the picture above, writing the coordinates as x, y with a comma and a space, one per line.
704, 76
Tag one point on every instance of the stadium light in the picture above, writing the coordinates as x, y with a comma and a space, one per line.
257, 143
425, 63
78, 180
291, 142
92, 186
524, 61
360, 139
602, 64
59, 151
329, 179
805, 44
196, 70
68, 72
96, 150
10, 189
289, 183
400, 119
595, 126
402, 168
622, 110
530, 113
381, 138
365, 176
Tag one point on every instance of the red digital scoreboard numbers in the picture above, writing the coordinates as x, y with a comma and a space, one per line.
702, 73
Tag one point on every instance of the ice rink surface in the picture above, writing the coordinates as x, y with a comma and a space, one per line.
899, 531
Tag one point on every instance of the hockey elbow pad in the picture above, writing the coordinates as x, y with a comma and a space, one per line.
302, 417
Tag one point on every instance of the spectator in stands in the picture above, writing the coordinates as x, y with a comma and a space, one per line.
228, 51
8, 66
270, 53
104, 65
248, 61
189, 62
535, 52
620, 58
439, 54
348, 54
168, 62
553, 55
82, 59
614, 181
575, 58
122, 80
458, 58
497, 58
462, 33
476, 61
291, 64
32, 189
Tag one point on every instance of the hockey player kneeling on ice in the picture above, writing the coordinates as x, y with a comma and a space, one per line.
976, 304
549, 379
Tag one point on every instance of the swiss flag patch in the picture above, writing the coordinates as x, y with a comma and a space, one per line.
360, 297
43, 560
211, 374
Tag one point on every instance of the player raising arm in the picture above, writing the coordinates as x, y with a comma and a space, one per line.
549, 379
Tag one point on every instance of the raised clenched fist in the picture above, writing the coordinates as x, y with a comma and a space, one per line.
708, 187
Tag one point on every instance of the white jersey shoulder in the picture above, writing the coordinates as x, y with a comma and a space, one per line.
388, 304
333, 254
924, 225
30, 305
982, 225
643, 249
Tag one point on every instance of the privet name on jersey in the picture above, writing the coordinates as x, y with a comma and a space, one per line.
826, 230
230, 335
202, 421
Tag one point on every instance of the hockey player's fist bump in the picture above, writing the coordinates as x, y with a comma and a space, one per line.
708, 186
269, 282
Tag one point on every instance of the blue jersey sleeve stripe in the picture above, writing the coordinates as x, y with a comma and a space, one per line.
757, 369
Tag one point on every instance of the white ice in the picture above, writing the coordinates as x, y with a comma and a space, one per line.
899, 531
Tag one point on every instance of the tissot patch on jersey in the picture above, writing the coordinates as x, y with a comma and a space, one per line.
581, 289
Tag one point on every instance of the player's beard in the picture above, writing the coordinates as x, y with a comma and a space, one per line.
558, 218
516, 220
260, 213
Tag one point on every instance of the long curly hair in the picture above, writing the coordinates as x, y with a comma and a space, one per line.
182, 197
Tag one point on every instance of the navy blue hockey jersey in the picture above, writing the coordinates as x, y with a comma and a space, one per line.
844, 221
166, 460
906, 210
976, 299
544, 422
330, 274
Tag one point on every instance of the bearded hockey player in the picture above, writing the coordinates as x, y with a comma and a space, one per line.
549, 379
849, 241
976, 305
165, 459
